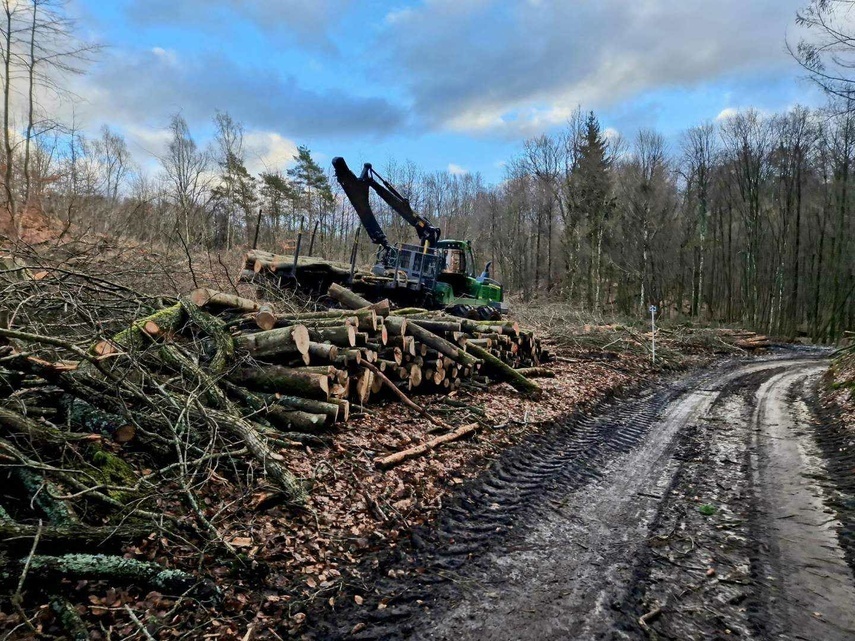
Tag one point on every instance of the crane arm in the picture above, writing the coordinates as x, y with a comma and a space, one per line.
357, 191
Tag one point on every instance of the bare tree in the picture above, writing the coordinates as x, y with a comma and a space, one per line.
186, 171
39, 49
827, 51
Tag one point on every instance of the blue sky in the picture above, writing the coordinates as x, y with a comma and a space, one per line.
445, 83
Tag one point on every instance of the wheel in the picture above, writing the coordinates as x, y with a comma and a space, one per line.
485, 312
463, 311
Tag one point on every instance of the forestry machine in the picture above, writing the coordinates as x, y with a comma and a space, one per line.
439, 273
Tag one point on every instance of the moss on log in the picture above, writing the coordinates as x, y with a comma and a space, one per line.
69, 618
75, 536
139, 334
115, 568
84, 416
517, 380
224, 347
40, 493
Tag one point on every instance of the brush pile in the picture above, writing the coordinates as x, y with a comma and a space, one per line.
115, 406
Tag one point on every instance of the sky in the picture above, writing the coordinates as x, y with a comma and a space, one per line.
452, 85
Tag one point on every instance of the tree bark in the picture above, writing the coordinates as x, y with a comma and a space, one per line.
399, 457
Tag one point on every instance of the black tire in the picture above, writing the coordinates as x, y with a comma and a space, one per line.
462, 311
485, 312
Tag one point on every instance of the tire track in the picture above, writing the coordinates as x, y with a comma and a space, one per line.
560, 493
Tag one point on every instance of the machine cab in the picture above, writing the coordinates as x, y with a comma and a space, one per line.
459, 259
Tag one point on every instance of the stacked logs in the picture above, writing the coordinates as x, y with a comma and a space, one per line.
346, 355
210, 377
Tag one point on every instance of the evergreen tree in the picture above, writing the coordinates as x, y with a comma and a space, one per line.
277, 195
313, 196
591, 199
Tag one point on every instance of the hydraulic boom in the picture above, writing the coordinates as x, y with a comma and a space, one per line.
357, 188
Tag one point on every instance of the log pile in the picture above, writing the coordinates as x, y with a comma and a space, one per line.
192, 383
277, 268
324, 355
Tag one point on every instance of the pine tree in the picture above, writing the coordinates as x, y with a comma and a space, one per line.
591, 198
277, 194
310, 182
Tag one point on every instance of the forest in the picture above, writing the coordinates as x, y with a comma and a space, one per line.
746, 219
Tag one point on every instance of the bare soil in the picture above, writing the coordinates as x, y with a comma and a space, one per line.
711, 507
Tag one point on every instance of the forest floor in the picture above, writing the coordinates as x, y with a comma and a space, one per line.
717, 504
412, 551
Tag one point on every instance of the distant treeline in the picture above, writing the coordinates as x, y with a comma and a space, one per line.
748, 219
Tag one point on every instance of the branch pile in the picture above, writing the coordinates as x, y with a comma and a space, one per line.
115, 405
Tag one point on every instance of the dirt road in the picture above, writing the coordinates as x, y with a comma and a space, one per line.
699, 511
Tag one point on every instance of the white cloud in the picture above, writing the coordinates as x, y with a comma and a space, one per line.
267, 151
477, 66
168, 56
457, 170
726, 114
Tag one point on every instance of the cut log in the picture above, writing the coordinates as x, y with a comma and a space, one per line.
266, 317
409, 311
329, 409
518, 381
343, 408
382, 308
139, 335
395, 326
265, 261
392, 354
301, 421
399, 457
367, 317
84, 416
348, 357
323, 351
347, 297
284, 380
203, 297
362, 389
277, 409
439, 344
415, 375
406, 344
285, 340
437, 326
343, 336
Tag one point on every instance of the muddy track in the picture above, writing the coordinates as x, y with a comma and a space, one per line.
553, 541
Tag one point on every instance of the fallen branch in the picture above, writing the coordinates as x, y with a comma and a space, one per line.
406, 401
413, 452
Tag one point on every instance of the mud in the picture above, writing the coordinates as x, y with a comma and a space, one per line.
707, 508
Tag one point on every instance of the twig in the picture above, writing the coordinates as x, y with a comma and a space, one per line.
139, 624
645, 618
403, 397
